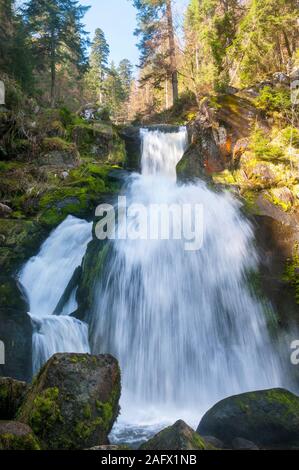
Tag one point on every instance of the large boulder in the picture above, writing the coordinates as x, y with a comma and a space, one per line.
58, 153
17, 436
73, 402
12, 393
15, 331
269, 418
177, 437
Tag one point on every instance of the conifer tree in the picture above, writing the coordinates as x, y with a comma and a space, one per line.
57, 35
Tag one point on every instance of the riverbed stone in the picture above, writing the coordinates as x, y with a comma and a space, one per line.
177, 437
17, 436
269, 418
73, 402
12, 394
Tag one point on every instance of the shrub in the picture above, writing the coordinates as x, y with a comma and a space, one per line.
272, 99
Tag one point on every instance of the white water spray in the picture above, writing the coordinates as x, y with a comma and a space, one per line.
45, 278
184, 325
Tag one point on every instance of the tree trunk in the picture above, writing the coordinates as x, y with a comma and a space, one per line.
53, 70
172, 54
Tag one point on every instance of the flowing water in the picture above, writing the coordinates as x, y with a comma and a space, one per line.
183, 324
45, 278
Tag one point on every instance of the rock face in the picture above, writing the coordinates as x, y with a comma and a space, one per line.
12, 394
131, 137
15, 331
217, 135
177, 437
73, 402
269, 418
17, 436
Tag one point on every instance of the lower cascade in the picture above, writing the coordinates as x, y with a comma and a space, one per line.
183, 324
45, 278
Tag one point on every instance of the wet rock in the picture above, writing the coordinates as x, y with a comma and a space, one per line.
4, 210
69, 158
281, 77
12, 394
17, 436
177, 437
284, 196
243, 444
131, 137
74, 401
15, 331
213, 441
269, 418
93, 267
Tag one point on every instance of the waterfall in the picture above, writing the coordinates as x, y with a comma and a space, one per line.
45, 278
184, 325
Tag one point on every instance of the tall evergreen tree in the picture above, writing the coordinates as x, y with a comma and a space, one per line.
157, 42
57, 34
15, 57
125, 71
98, 63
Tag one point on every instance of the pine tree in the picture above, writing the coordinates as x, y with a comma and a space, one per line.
57, 35
157, 42
15, 57
125, 71
266, 41
98, 63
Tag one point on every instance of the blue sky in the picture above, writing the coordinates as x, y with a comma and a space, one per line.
117, 18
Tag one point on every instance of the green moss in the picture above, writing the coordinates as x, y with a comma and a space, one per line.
198, 443
250, 201
291, 274
12, 442
56, 143
226, 177
263, 148
274, 99
285, 206
45, 412
87, 411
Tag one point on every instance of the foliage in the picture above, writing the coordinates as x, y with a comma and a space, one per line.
263, 148
61, 37
291, 274
274, 99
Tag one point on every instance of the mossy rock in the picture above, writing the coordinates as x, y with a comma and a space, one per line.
73, 402
58, 152
93, 265
12, 393
269, 418
100, 141
17, 436
177, 437
19, 240
87, 186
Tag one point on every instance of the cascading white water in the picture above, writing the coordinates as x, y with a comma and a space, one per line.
184, 325
45, 278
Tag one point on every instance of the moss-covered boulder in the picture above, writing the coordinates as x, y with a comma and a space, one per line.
17, 436
73, 402
59, 153
177, 437
100, 141
12, 394
19, 240
85, 188
269, 418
